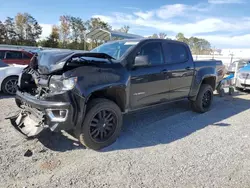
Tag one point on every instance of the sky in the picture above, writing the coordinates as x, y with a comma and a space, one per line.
224, 23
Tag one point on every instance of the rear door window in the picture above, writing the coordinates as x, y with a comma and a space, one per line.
25, 56
14, 55
175, 52
2, 54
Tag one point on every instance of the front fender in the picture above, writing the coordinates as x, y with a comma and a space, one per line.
92, 79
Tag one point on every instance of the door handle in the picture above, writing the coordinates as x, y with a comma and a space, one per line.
188, 68
164, 71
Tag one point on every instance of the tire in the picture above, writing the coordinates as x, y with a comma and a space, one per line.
9, 85
238, 89
96, 108
201, 105
231, 91
222, 93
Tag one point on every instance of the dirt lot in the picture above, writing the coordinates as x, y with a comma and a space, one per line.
168, 146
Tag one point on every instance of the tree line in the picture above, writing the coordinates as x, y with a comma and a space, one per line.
24, 29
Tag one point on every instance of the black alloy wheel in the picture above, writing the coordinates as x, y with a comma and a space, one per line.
206, 100
203, 100
103, 125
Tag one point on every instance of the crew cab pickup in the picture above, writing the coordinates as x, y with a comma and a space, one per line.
89, 92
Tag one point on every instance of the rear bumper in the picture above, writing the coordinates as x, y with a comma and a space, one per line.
57, 112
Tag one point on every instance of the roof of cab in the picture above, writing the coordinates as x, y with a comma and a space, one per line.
145, 39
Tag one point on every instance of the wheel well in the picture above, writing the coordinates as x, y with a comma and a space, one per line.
117, 95
210, 81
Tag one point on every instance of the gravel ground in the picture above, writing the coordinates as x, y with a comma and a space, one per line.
168, 146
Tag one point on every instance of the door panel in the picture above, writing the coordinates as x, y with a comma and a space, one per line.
150, 83
180, 80
148, 86
180, 69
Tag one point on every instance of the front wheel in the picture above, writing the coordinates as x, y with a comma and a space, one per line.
203, 100
102, 124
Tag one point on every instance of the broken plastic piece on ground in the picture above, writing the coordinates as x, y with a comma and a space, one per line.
28, 153
24, 124
42, 150
76, 144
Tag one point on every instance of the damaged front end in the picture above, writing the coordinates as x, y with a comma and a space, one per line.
55, 111
35, 114
46, 101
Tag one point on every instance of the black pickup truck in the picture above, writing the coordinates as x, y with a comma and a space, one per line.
89, 92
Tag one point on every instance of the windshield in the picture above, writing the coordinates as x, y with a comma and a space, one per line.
115, 49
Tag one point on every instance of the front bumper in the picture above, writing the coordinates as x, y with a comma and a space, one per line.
57, 112
242, 83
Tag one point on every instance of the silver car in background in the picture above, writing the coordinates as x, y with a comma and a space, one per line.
241, 64
243, 78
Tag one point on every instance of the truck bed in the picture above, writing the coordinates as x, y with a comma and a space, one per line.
220, 67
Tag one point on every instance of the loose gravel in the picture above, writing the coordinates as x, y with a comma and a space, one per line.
167, 146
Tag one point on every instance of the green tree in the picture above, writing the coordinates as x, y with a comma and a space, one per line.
64, 30
155, 36
27, 29
180, 37
53, 39
124, 29
3, 33
160, 35
33, 30
95, 23
78, 31
20, 27
199, 46
11, 36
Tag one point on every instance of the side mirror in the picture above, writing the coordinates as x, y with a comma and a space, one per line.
141, 60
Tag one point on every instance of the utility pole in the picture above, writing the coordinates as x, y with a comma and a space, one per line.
213, 52
232, 55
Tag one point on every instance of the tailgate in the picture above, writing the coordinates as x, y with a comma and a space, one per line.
221, 70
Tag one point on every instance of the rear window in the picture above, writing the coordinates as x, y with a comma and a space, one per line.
14, 55
175, 53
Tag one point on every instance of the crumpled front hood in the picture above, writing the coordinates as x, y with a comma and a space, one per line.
50, 61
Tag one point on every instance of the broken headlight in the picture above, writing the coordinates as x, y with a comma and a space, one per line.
58, 83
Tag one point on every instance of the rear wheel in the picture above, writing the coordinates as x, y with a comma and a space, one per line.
102, 124
221, 92
238, 89
231, 91
203, 100
9, 85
